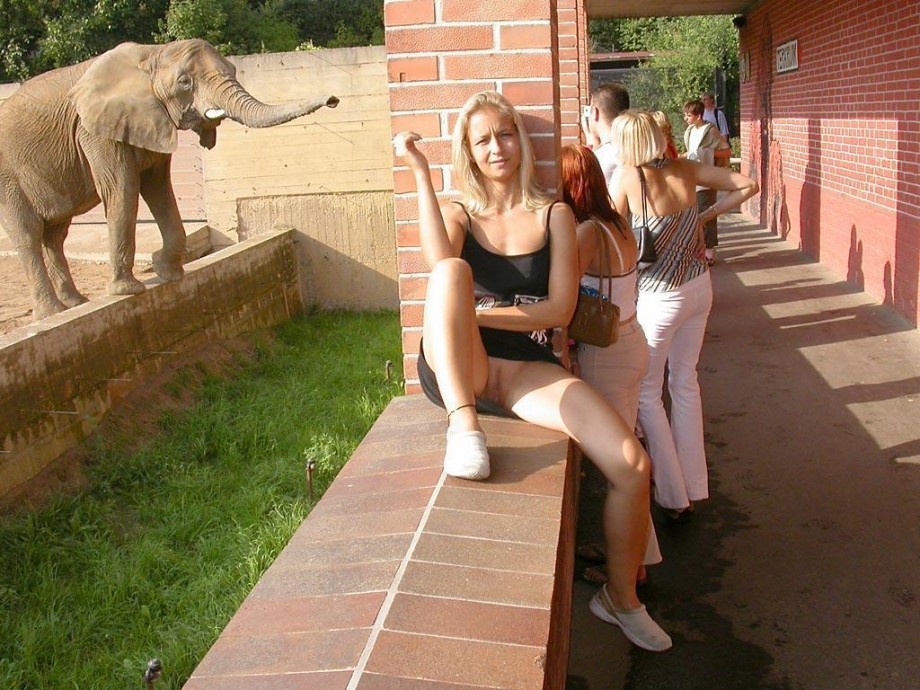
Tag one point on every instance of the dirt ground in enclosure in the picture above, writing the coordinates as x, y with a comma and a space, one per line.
16, 303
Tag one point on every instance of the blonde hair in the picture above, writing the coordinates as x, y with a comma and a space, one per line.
466, 174
637, 138
663, 121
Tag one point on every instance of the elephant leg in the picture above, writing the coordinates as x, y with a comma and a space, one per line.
156, 188
121, 218
115, 169
24, 228
58, 270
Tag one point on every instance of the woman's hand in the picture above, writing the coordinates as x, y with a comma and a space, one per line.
404, 145
439, 240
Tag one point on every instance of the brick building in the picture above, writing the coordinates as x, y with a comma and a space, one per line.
830, 110
830, 117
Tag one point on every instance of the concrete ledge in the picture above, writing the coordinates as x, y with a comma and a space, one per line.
90, 242
402, 577
61, 375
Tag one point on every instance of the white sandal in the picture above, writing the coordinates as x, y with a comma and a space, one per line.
636, 624
466, 456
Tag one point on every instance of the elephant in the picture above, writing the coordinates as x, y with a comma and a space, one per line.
105, 130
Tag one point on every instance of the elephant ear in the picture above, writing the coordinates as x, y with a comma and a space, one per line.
114, 99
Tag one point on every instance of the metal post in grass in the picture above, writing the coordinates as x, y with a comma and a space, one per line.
311, 465
152, 673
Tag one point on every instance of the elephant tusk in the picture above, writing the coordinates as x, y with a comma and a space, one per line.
215, 114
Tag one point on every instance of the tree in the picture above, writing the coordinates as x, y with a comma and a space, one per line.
84, 28
37, 36
234, 27
621, 35
337, 23
20, 28
687, 53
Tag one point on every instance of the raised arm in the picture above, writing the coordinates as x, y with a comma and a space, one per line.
739, 188
440, 235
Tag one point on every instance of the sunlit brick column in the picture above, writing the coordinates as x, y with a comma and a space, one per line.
439, 53
573, 66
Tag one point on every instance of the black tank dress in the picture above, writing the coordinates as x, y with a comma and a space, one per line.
500, 281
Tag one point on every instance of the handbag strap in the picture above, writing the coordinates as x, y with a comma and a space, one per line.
606, 270
644, 195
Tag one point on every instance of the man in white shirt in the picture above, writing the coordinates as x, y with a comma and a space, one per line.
607, 101
714, 115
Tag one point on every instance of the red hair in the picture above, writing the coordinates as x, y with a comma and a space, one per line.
584, 187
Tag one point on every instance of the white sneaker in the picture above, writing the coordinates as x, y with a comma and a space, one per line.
467, 456
636, 624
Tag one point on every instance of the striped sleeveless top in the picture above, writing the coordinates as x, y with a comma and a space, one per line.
680, 246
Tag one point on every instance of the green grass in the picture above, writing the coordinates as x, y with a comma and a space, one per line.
158, 554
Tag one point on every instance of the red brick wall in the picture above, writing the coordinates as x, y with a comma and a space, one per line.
835, 145
438, 55
573, 62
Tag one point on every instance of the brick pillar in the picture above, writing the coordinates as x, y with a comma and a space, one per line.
439, 53
573, 67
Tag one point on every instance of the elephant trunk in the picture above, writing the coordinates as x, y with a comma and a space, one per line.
241, 107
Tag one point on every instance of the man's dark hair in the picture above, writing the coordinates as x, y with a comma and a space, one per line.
610, 99
694, 106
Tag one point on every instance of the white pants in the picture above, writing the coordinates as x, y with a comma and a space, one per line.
617, 372
674, 324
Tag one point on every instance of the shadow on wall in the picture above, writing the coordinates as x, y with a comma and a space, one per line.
810, 204
854, 262
902, 294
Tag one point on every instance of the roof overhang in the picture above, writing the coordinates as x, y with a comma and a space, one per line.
598, 9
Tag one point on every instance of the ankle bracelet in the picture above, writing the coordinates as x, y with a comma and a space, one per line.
457, 409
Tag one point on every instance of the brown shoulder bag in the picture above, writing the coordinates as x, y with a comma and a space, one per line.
596, 320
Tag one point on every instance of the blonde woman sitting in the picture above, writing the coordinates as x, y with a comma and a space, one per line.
504, 271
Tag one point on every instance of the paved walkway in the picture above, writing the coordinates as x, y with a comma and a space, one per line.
802, 571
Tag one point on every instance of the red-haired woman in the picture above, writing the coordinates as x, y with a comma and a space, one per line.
617, 370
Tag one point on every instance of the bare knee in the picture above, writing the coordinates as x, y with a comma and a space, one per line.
451, 272
631, 472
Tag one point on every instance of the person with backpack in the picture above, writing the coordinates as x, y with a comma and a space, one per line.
715, 115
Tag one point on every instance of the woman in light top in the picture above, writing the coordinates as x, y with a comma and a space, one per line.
504, 270
675, 296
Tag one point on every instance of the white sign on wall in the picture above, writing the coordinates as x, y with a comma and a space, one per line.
787, 56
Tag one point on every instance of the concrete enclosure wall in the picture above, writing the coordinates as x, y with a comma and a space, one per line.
345, 244
340, 150
59, 377
835, 143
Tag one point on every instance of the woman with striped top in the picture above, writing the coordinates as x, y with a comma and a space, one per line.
675, 296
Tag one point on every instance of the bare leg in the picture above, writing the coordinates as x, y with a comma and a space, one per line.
452, 344
547, 395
